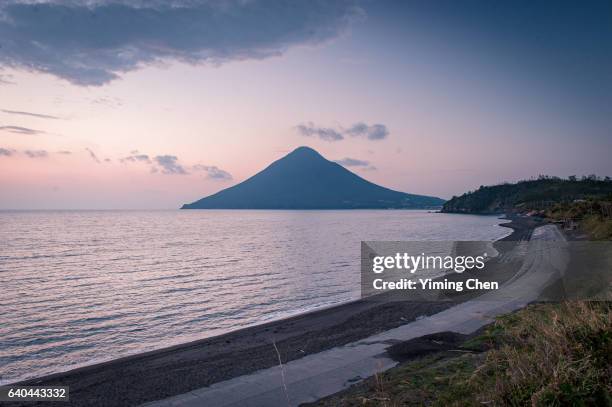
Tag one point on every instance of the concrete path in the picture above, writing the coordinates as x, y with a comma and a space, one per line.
315, 376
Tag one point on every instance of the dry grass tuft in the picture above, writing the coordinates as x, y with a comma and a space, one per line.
543, 355
549, 355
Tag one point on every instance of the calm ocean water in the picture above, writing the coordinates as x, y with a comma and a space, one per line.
78, 287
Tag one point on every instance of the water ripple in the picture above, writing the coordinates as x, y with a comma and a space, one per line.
85, 286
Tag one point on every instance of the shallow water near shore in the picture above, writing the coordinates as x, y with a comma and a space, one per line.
80, 287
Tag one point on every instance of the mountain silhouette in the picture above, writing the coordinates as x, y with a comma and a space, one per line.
303, 179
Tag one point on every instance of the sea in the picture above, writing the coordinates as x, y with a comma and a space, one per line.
81, 287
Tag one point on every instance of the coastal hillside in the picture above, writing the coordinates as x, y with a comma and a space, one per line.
540, 193
303, 179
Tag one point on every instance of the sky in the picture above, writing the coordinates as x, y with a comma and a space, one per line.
152, 104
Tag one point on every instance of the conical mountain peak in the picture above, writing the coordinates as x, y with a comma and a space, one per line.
304, 179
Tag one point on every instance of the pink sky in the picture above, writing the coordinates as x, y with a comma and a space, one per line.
454, 122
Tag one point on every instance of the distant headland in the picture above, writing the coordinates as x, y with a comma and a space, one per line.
529, 195
304, 179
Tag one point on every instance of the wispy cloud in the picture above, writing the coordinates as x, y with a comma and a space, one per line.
37, 115
373, 132
36, 153
212, 172
353, 162
360, 129
71, 39
107, 101
6, 79
21, 130
169, 164
135, 157
324, 133
6, 152
93, 155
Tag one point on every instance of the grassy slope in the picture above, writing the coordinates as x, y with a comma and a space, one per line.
543, 355
593, 215
597, 228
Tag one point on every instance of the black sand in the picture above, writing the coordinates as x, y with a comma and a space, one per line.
166, 372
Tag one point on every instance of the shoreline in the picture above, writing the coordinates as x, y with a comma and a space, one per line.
158, 374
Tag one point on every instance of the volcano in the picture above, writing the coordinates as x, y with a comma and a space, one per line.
304, 179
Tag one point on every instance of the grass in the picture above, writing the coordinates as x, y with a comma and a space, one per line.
597, 227
543, 355
594, 216
549, 355
417, 382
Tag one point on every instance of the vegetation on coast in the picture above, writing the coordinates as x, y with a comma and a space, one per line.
593, 216
543, 355
535, 194
584, 204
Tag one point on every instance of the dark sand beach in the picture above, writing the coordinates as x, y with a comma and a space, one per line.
166, 372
